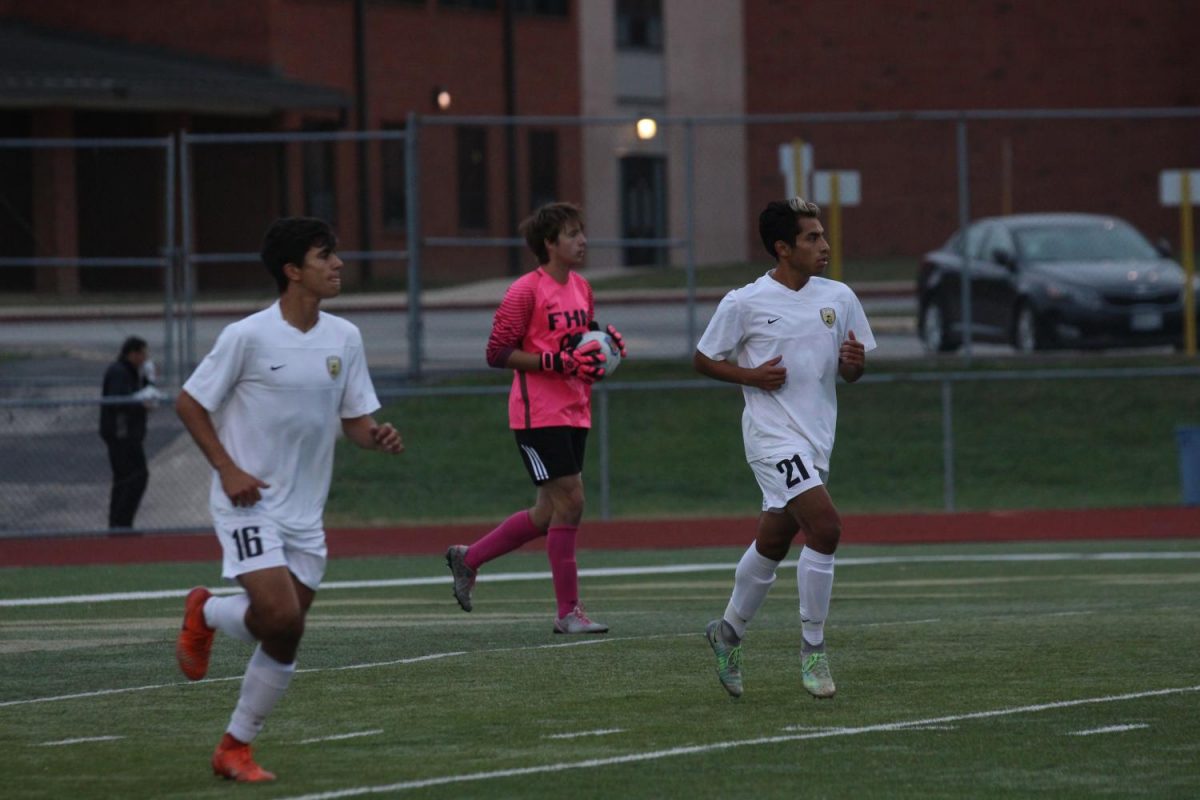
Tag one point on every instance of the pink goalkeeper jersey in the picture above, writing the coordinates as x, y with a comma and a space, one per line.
536, 315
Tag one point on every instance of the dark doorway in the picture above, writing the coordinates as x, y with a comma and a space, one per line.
644, 208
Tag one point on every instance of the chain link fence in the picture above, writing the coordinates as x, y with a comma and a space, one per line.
907, 442
436, 206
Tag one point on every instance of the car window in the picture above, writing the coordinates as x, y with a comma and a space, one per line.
997, 238
975, 235
1102, 241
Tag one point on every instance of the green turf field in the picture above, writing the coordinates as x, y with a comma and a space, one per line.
1003, 670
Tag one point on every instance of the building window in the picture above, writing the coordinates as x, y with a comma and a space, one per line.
472, 177
320, 170
395, 187
639, 25
542, 8
482, 5
543, 168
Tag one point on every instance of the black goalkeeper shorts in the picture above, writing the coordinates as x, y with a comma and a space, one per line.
552, 452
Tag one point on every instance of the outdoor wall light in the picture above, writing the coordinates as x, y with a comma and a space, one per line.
441, 98
646, 129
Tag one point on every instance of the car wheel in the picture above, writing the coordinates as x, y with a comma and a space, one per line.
934, 328
1029, 332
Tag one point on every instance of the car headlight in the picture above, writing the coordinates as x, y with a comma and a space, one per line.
1079, 295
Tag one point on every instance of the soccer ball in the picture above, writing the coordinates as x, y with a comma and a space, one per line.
612, 354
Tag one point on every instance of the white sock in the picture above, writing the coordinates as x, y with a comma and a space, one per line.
263, 685
814, 579
228, 615
751, 581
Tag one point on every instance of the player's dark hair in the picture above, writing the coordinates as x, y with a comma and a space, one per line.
289, 239
546, 224
780, 221
134, 344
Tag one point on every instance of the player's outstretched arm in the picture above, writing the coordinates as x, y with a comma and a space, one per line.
242, 488
768, 376
365, 432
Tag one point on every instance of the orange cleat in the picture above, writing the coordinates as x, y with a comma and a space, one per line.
194, 644
233, 760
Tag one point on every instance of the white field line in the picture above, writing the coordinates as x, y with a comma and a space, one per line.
700, 749
337, 737
62, 742
613, 572
928, 621
369, 665
1109, 729
600, 732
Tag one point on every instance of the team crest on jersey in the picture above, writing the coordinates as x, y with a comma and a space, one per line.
828, 316
334, 365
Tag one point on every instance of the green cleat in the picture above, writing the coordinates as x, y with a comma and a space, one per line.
464, 576
814, 673
729, 659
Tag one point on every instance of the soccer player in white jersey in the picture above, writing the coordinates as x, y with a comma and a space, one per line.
786, 338
265, 406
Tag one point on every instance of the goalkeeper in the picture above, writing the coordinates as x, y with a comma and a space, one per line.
534, 333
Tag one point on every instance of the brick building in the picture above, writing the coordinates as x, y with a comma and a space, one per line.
151, 68
924, 55
120, 58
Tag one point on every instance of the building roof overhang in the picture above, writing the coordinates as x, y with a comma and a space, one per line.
51, 69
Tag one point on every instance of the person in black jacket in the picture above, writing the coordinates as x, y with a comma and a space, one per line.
123, 428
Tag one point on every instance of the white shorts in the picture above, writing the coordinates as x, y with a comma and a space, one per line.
785, 477
251, 542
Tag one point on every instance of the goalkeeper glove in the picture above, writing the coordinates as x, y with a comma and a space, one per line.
613, 333
585, 362
618, 340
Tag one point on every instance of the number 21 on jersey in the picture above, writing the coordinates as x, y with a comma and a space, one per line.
789, 468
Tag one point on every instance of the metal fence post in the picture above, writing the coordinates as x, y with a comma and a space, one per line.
690, 216
964, 219
605, 456
170, 372
187, 345
412, 207
947, 445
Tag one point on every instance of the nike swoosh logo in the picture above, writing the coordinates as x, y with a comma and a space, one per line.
773, 321
277, 366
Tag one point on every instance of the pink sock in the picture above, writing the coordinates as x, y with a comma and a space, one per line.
560, 547
506, 537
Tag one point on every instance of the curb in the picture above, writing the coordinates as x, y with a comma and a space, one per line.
476, 298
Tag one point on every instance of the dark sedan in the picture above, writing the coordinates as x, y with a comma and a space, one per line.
1051, 280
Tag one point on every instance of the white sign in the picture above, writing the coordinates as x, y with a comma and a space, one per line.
849, 187
1170, 186
787, 165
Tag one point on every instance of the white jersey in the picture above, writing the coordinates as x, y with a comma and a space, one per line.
277, 397
765, 319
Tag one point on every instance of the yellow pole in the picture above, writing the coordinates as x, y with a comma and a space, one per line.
798, 167
835, 228
1189, 264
